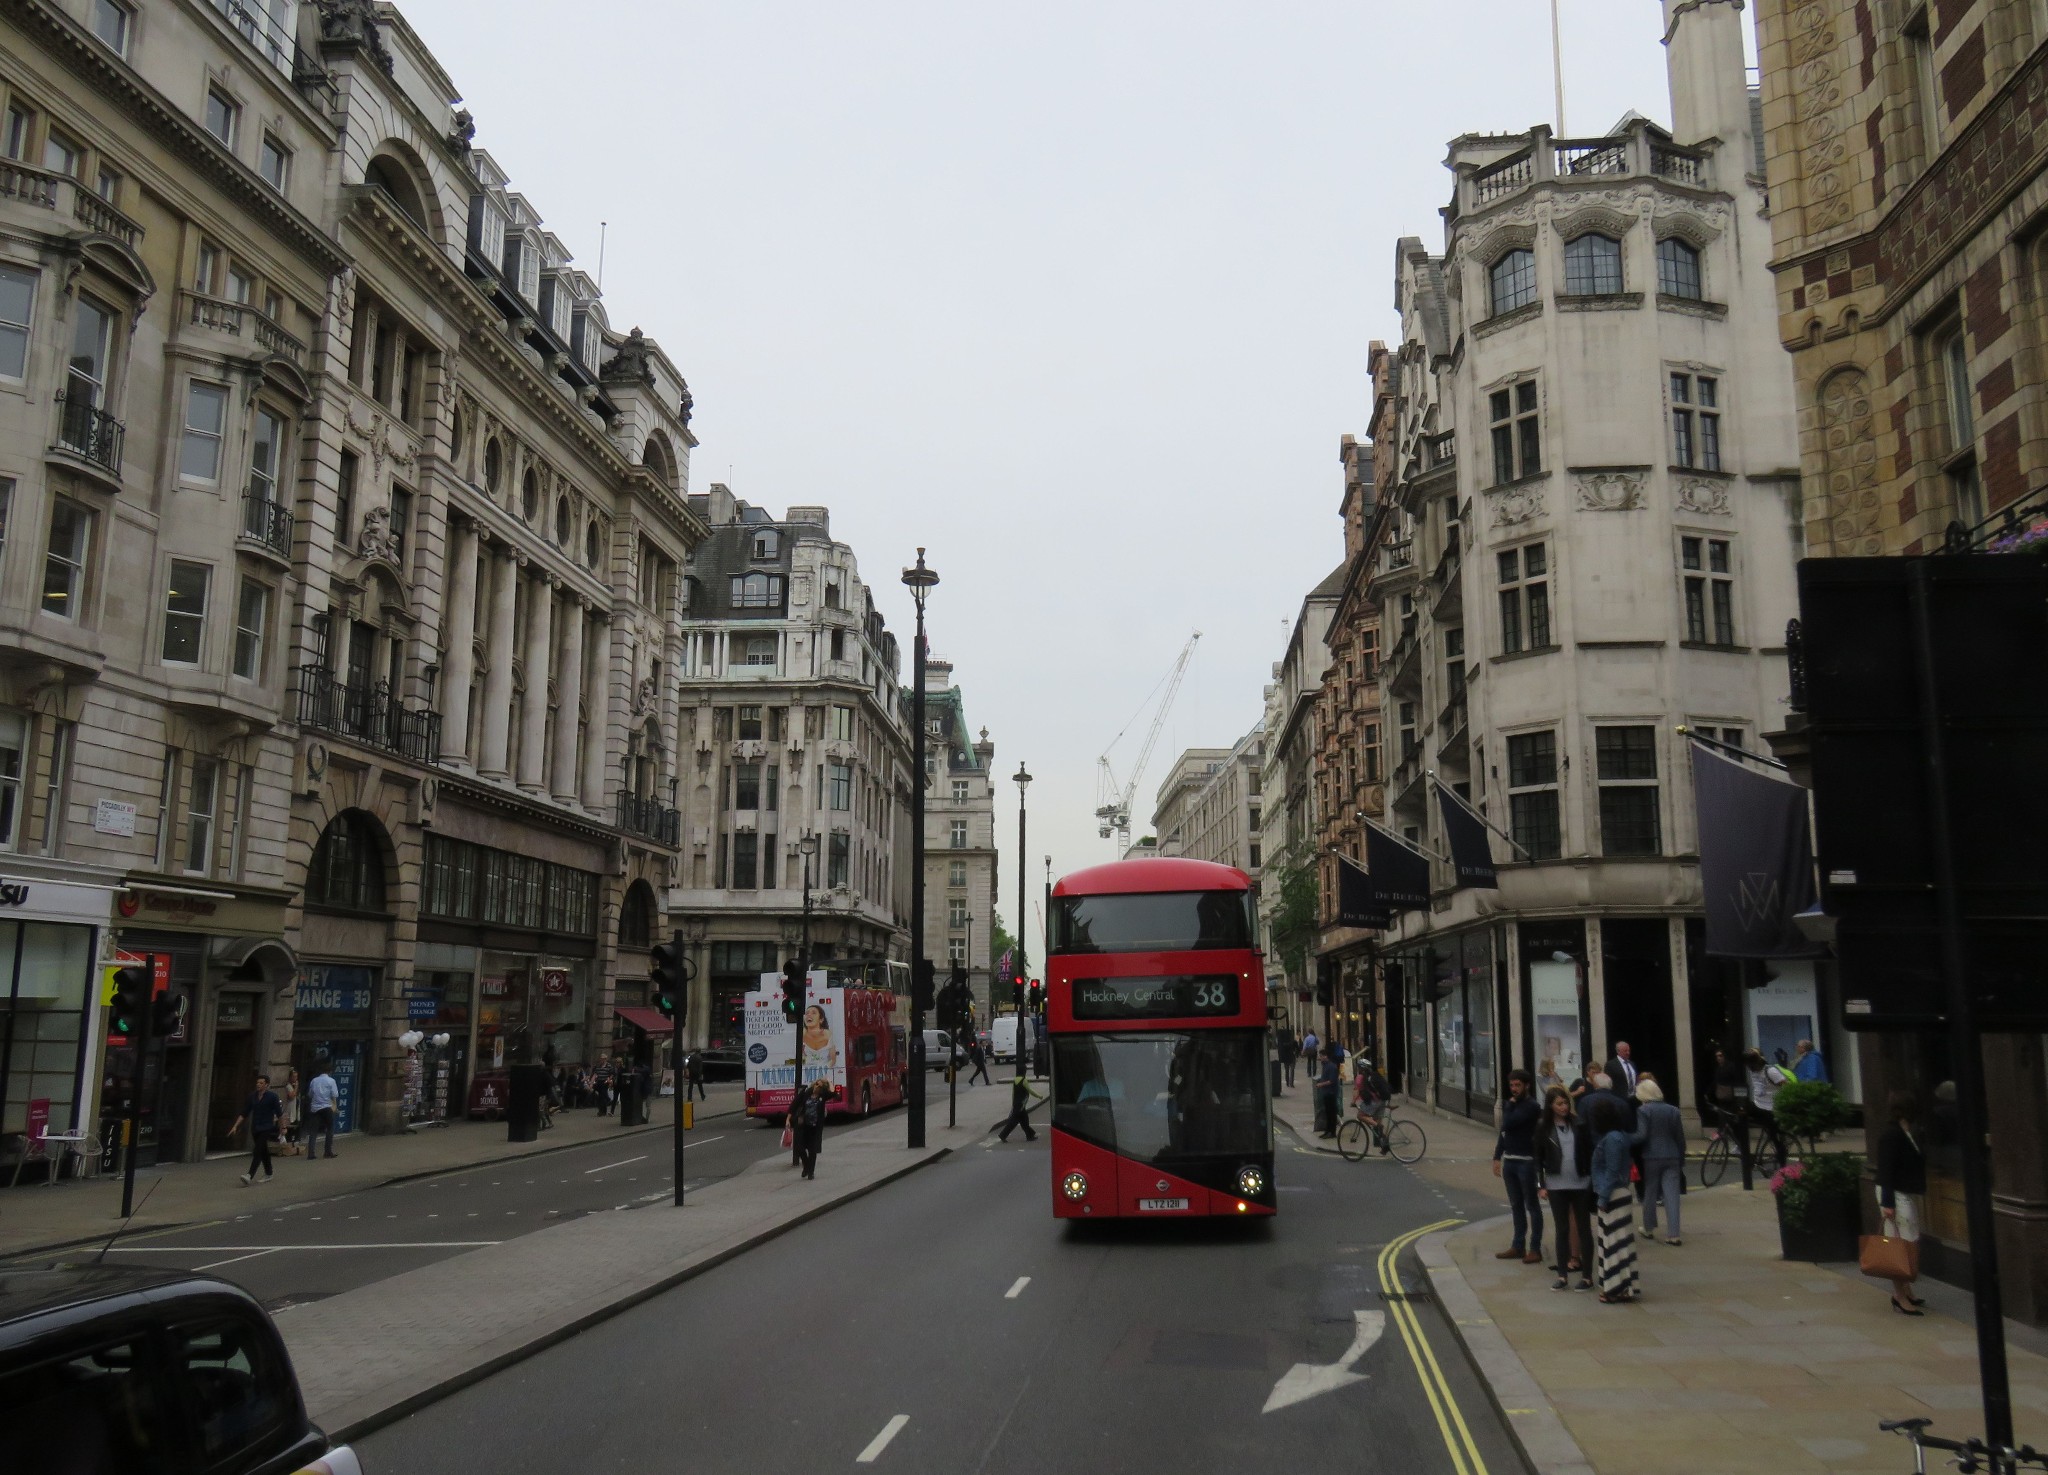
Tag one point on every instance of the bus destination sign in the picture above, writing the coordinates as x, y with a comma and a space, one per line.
1187, 996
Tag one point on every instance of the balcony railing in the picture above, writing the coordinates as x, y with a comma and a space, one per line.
369, 715
268, 522
1450, 723
238, 319
651, 818
1597, 156
84, 429
1500, 180
1400, 554
1682, 166
95, 214
31, 186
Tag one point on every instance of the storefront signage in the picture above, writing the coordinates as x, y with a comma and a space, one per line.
335, 991
13, 893
237, 1011
495, 988
168, 906
554, 982
343, 1069
418, 1008
112, 817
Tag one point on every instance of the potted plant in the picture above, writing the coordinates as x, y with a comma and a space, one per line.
1818, 1213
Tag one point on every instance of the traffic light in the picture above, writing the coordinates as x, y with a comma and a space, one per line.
166, 1011
793, 990
1037, 1000
130, 1011
1017, 995
924, 986
669, 979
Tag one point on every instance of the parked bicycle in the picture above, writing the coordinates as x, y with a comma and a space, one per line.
1971, 1456
1393, 1136
1766, 1149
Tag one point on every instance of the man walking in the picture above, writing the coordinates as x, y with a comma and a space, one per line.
1623, 1069
1327, 1081
1021, 1092
1285, 1043
263, 1113
978, 1059
693, 1075
322, 1096
1309, 1045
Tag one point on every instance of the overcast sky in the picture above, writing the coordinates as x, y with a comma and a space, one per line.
1076, 295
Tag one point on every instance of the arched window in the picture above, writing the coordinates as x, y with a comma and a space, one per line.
1513, 281
348, 865
590, 544
1592, 265
562, 521
389, 176
1678, 269
636, 916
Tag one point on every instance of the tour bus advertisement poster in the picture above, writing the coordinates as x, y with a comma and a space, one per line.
823, 1032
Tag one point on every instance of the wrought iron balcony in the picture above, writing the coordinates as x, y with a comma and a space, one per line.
84, 429
267, 521
1400, 554
367, 714
651, 818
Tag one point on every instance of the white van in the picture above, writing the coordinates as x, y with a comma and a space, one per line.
936, 1044
1004, 1037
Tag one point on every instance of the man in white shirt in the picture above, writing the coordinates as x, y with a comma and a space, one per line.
322, 1096
1625, 1083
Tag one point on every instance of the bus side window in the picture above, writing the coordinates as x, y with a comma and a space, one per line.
864, 1050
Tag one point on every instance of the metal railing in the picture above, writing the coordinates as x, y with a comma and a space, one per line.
1598, 156
650, 817
369, 715
1500, 180
268, 522
84, 429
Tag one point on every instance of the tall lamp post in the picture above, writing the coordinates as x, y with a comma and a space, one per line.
1046, 941
919, 580
1023, 972
809, 848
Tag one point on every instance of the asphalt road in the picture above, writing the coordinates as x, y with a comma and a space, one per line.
946, 1323
294, 1245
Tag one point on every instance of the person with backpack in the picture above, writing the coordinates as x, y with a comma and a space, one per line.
265, 1114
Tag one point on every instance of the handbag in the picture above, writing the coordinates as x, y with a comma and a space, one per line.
1884, 1257
789, 1136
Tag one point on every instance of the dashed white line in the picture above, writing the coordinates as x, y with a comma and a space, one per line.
1018, 1289
881, 1441
609, 1166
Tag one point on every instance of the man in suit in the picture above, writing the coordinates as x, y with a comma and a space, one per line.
1623, 1069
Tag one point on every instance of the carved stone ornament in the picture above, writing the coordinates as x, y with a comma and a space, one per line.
462, 137
1610, 491
630, 363
376, 540
1705, 496
1516, 505
643, 695
689, 403
354, 23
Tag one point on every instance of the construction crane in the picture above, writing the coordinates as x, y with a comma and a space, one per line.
1114, 808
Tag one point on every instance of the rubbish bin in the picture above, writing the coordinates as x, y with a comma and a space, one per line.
632, 1107
528, 1083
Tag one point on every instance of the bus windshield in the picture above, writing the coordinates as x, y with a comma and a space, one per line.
1153, 922
1165, 1095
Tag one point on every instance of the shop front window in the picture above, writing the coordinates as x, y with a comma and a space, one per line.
1450, 1017
42, 1010
503, 1008
736, 969
1478, 950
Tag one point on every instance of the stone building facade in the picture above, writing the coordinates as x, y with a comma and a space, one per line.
1595, 469
962, 858
1908, 156
1172, 804
796, 727
320, 633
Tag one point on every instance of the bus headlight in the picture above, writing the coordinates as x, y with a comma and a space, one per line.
1251, 1182
1075, 1186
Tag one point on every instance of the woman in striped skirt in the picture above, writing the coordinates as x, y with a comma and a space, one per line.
1615, 1206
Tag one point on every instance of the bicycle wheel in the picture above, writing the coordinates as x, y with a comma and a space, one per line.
1406, 1142
1714, 1162
1769, 1155
1351, 1140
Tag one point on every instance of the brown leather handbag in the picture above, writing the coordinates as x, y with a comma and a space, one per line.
1885, 1258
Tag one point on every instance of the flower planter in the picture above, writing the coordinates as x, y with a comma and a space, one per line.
1830, 1229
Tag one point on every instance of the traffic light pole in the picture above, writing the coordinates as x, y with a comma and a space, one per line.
682, 1075
139, 1035
920, 580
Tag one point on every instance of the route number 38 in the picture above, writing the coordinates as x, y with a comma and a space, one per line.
1212, 994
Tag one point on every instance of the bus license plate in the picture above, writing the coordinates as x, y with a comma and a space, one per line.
1163, 1205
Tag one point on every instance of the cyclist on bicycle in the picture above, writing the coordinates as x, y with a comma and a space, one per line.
1370, 1093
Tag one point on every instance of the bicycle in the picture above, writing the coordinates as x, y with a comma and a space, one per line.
1971, 1455
1766, 1154
1401, 1140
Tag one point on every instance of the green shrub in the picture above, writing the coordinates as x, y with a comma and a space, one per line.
1809, 1110
1827, 1176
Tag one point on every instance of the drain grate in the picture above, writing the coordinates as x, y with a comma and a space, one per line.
1411, 1297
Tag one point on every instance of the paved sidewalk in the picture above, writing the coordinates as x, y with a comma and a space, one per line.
38, 1216
374, 1354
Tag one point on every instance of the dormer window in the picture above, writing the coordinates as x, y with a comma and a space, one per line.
558, 307
487, 230
768, 546
529, 269
756, 591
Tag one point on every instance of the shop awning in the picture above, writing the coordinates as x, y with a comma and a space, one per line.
648, 1021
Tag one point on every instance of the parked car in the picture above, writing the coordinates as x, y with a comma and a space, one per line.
108, 1370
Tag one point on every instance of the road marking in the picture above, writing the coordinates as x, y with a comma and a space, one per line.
1306, 1380
1450, 1419
254, 1254
881, 1441
423, 1244
608, 1166
1018, 1289
700, 1141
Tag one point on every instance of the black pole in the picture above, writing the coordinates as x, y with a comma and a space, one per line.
1023, 931
682, 1067
135, 1087
920, 580
1965, 1046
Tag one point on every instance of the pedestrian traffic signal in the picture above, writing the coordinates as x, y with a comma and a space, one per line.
793, 990
924, 986
669, 979
1037, 998
130, 1008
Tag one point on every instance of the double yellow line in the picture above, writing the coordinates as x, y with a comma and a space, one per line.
1464, 1450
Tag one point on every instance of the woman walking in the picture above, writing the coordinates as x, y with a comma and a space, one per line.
291, 1113
1615, 1252
1660, 1134
1564, 1176
810, 1125
1901, 1182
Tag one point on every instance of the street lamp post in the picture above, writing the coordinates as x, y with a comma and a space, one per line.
919, 580
808, 845
1023, 930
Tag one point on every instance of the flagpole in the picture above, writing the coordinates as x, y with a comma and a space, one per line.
1438, 785
1699, 737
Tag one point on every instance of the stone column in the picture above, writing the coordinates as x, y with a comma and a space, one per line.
458, 621
597, 684
566, 779
496, 742
533, 721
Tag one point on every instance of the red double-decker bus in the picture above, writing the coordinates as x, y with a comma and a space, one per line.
1156, 1012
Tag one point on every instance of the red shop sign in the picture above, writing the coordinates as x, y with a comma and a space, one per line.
554, 982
